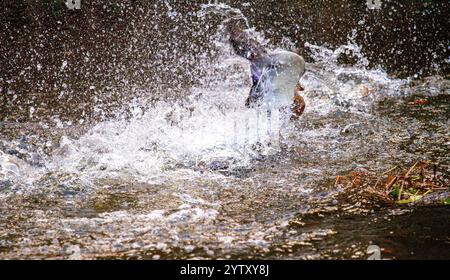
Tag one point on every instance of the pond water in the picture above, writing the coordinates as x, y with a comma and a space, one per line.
206, 177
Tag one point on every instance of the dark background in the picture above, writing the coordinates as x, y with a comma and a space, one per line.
116, 50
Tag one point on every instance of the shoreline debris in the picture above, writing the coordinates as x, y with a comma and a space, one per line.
402, 186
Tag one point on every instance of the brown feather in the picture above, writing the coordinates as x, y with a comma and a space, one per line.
299, 103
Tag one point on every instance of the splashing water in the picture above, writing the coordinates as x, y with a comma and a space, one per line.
212, 127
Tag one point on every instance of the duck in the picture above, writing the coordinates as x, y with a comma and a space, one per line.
275, 74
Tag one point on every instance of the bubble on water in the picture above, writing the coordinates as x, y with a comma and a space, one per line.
31, 110
74, 252
64, 65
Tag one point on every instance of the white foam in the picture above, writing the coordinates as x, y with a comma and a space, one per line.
211, 125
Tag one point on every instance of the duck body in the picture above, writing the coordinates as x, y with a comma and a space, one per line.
275, 75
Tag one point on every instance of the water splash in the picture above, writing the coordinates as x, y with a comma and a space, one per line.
210, 129
332, 85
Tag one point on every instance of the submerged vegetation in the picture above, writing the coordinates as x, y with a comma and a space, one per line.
420, 183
